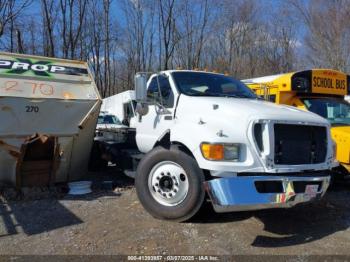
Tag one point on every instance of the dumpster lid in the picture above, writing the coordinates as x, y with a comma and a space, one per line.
44, 77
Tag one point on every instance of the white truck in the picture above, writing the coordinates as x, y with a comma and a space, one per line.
116, 142
122, 105
204, 132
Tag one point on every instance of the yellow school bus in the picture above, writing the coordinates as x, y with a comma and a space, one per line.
321, 91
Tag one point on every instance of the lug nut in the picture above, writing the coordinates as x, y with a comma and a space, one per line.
175, 190
162, 174
176, 184
158, 178
156, 184
158, 191
170, 194
164, 195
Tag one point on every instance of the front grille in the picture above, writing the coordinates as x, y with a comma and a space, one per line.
299, 144
258, 136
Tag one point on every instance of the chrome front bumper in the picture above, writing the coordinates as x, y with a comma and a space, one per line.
241, 194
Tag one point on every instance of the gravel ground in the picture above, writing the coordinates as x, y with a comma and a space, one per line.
111, 221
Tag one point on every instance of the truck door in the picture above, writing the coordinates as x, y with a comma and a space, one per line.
160, 114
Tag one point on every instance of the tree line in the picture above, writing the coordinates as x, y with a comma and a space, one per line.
243, 38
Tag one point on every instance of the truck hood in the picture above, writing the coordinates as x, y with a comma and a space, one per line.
244, 109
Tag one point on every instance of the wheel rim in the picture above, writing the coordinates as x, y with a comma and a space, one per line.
168, 183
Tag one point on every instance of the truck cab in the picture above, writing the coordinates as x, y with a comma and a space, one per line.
321, 91
206, 133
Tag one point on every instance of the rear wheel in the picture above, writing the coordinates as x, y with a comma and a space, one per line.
169, 184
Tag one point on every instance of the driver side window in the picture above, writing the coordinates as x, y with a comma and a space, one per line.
167, 94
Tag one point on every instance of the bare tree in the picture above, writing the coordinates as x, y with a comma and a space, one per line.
137, 42
167, 29
192, 25
30, 30
231, 36
327, 40
107, 67
48, 9
94, 27
9, 10
233, 44
72, 18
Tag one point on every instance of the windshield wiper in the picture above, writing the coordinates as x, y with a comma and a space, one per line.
222, 95
239, 96
201, 94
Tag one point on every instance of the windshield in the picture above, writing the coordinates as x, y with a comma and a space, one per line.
208, 84
335, 110
108, 119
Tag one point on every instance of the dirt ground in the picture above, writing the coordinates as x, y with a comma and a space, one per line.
113, 222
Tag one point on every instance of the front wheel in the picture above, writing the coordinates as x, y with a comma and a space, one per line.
169, 184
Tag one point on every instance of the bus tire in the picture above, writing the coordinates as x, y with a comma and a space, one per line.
169, 184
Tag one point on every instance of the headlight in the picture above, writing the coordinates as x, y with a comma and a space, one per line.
217, 152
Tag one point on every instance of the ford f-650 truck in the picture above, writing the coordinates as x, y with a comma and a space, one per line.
208, 133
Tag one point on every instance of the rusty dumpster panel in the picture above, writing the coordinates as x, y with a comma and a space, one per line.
48, 113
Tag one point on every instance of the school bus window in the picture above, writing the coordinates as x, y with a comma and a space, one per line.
337, 111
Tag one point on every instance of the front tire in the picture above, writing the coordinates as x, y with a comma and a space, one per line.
169, 184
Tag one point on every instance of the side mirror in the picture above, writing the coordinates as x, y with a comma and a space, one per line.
141, 94
141, 88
